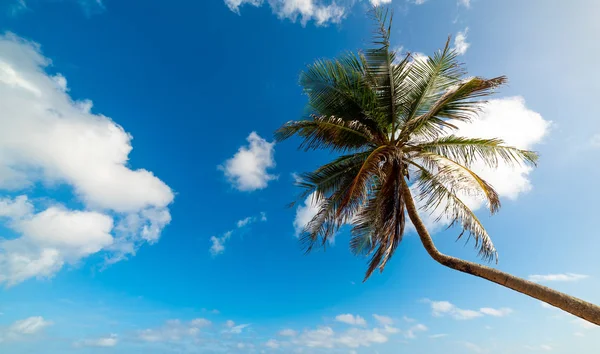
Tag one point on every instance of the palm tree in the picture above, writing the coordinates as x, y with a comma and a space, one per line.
392, 122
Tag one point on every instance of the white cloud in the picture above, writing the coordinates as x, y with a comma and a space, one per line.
460, 42
355, 337
565, 277
351, 319
498, 120
420, 2
272, 343
411, 333
218, 243
173, 331
235, 329
104, 342
234, 5
247, 169
380, 2
302, 10
496, 312
244, 222
29, 325
48, 139
384, 320
305, 213
440, 335
443, 308
287, 332
578, 334
465, 3
325, 337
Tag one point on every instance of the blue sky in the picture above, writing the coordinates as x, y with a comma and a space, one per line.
143, 202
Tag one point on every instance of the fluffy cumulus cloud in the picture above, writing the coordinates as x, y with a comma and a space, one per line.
351, 319
320, 11
562, 277
247, 169
497, 120
326, 337
49, 139
460, 42
445, 308
336, 336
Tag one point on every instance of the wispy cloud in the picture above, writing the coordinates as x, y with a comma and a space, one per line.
446, 308
89, 7
383, 320
287, 332
465, 3
103, 342
23, 328
218, 243
235, 329
411, 333
174, 330
561, 277
460, 42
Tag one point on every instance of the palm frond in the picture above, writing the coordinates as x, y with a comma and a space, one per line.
358, 189
322, 132
329, 178
456, 103
466, 151
461, 176
436, 197
428, 80
338, 88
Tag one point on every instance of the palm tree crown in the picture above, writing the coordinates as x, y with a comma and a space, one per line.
392, 121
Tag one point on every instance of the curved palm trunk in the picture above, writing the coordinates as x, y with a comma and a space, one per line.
573, 305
